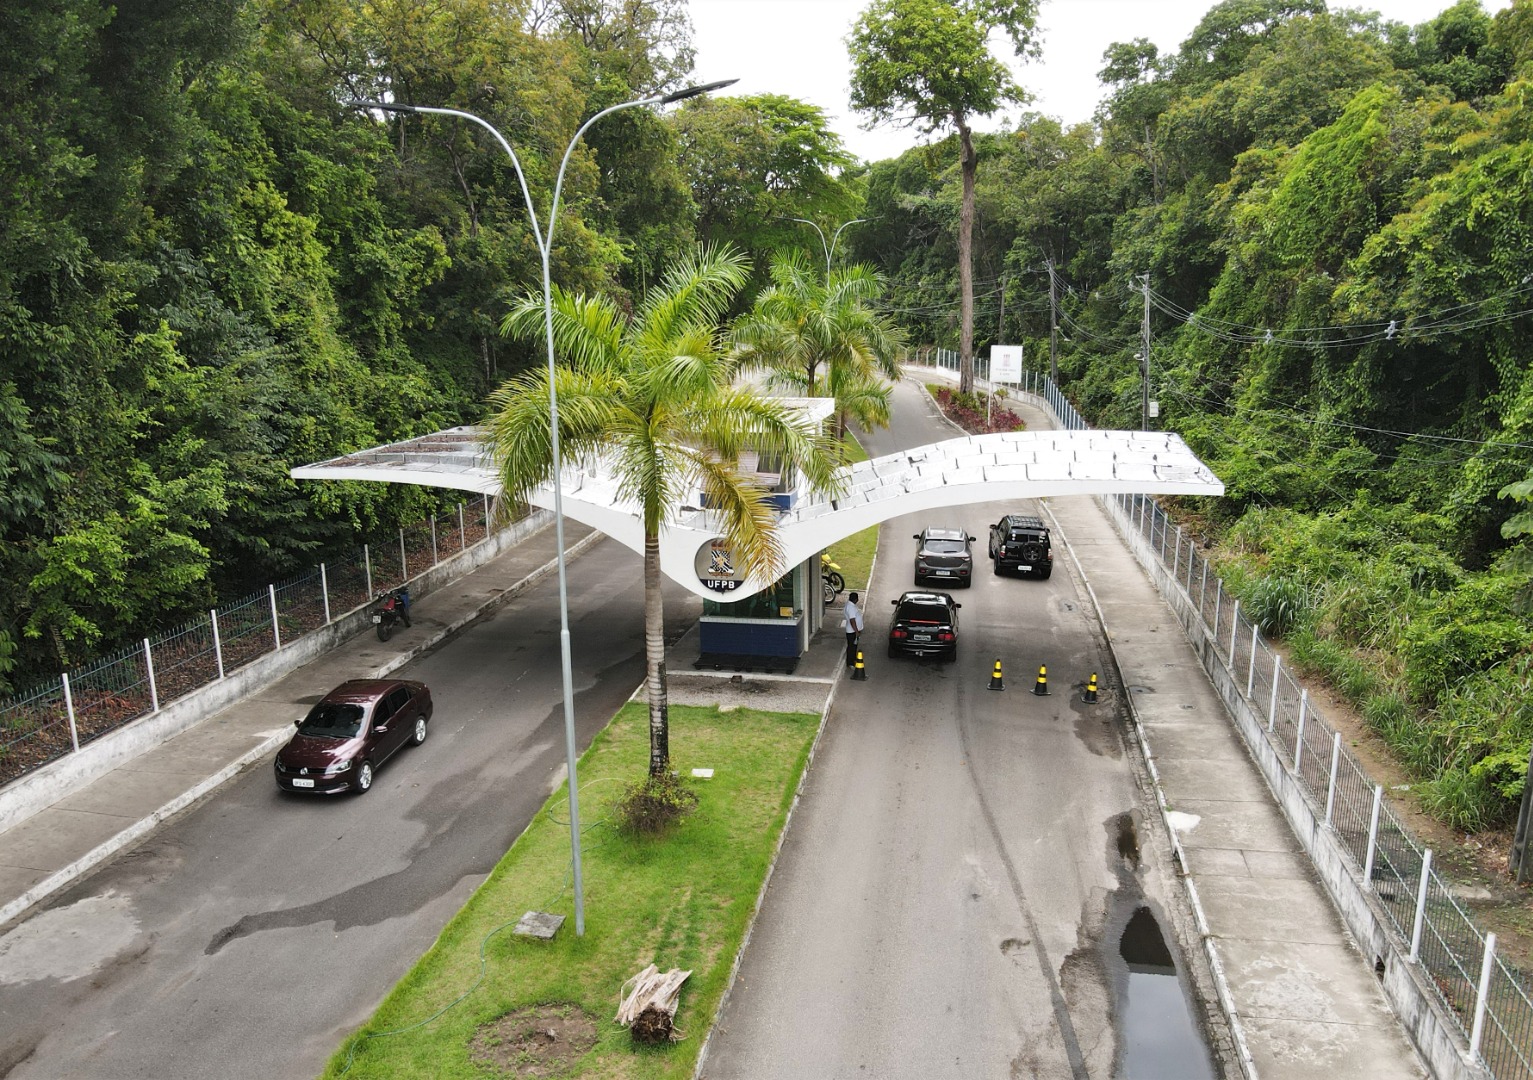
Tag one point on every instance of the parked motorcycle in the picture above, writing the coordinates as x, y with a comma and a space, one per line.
830, 578
394, 609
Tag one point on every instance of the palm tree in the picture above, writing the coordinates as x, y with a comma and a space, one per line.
653, 397
801, 326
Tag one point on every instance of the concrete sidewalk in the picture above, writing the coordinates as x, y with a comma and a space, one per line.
57, 845
1302, 997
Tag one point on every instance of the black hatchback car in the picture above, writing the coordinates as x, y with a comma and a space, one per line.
925, 624
944, 555
351, 731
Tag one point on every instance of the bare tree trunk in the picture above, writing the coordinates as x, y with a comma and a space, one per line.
969, 161
654, 660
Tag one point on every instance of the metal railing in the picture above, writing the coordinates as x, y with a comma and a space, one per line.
1487, 999
56, 719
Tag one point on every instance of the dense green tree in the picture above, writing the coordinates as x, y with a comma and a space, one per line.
755, 163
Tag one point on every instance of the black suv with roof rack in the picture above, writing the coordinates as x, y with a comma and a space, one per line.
1021, 543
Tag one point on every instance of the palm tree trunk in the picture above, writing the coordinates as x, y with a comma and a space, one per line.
969, 161
654, 661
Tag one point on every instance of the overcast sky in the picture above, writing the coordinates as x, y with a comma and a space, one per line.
798, 48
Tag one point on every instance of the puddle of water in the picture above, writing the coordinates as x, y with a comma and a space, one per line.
1160, 1039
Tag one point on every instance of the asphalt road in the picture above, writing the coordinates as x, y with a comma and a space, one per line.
250, 934
951, 896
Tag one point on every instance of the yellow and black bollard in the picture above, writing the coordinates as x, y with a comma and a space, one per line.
996, 682
859, 673
1090, 696
1041, 688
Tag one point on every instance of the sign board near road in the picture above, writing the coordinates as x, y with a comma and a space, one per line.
1005, 363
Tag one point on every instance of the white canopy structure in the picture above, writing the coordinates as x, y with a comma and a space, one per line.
956, 472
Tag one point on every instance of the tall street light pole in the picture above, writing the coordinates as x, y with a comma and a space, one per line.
545, 241
830, 248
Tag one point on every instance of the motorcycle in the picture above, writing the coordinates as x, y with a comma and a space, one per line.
394, 609
831, 581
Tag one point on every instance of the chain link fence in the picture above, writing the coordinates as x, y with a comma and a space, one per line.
58, 718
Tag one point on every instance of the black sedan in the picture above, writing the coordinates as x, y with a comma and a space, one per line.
925, 624
354, 729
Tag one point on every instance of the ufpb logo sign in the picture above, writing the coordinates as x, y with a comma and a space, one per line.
717, 568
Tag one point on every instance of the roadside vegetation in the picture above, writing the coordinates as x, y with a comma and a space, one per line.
682, 899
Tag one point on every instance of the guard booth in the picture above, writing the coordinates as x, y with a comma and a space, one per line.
769, 629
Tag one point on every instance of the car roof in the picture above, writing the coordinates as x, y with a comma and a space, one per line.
362, 690
1023, 521
924, 598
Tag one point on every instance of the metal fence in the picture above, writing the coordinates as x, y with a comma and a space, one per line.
58, 718
1486, 998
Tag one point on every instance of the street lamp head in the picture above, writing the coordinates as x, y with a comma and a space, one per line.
694, 91
384, 106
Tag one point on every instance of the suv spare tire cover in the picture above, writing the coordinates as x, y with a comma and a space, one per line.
1032, 553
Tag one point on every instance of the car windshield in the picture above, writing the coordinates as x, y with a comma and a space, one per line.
922, 613
335, 720
945, 547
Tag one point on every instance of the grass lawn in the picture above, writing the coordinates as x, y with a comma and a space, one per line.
855, 554
683, 901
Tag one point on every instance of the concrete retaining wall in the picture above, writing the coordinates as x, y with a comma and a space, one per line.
60, 778
1421, 1010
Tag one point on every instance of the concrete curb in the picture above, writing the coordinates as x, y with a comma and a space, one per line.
99, 854
67, 875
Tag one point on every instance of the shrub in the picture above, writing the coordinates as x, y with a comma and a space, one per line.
652, 805
1278, 605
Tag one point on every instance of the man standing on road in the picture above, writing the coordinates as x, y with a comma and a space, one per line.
851, 620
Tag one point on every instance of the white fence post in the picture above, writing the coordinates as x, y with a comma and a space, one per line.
462, 533
1421, 905
1277, 667
434, 559
218, 645
1373, 834
1218, 605
486, 500
154, 691
324, 588
1298, 738
1251, 670
276, 630
1479, 999
1176, 556
404, 560
1234, 631
1203, 591
1330, 794
69, 707
367, 566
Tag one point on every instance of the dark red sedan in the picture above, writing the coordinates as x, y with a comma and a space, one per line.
354, 729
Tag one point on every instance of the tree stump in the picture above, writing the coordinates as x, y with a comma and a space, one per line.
648, 1010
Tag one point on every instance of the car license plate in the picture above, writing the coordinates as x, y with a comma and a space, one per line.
943, 573
303, 783
1019, 567
377, 618
920, 637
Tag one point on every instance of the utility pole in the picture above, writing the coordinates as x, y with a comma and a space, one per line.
1053, 326
1144, 333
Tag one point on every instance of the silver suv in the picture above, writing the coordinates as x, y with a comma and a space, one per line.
944, 555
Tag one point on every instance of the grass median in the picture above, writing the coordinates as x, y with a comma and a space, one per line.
680, 901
